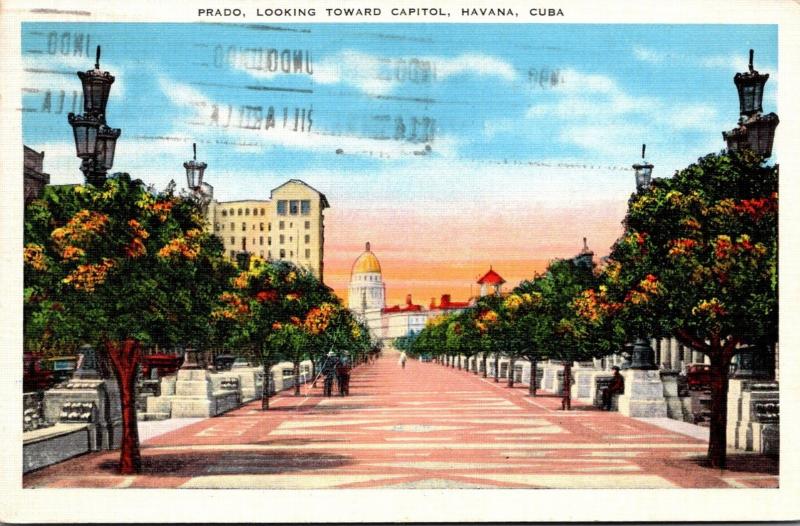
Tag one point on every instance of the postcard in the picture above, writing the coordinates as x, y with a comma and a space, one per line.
399, 262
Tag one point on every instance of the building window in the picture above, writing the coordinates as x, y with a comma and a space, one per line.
222, 226
216, 226
308, 253
230, 212
247, 211
282, 254
269, 240
308, 238
240, 211
224, 213
262, 211
294, 207
305, 207
280, 225
261, 240
291, 238
291, 253
261, 253
291, 225
233, 240
244, 243
282, 207
233, 254
261, 226
269, 254
233, 226
269, 227
281, 239
244, 227
254, 227
308, 225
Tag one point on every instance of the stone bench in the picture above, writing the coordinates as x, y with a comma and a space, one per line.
51, 445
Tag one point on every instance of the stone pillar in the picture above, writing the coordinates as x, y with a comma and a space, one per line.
644, 394
666, 354
676, 355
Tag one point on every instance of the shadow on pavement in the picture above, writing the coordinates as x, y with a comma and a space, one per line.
193, 463
747, 463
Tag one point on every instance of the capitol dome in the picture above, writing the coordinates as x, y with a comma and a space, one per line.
366, 291
366, 262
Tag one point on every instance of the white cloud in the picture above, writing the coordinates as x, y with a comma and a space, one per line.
648, 55
375, 75
45, 72
196, 105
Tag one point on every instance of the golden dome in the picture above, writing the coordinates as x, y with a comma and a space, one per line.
366, 262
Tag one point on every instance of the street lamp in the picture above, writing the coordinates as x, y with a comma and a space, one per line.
194, 172
95, 142
643, 172
755, 131
643, 357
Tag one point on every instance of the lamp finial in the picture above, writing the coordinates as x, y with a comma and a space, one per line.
751, 61
97, 59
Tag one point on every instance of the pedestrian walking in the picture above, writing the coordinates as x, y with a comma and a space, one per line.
403, 359
343, 377
328, 370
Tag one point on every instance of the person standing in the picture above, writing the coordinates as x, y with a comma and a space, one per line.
617, 386
403, 359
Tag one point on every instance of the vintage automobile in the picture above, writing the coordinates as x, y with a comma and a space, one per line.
159, 365
698, 376
62, 367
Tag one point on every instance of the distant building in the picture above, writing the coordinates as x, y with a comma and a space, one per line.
288, 226
33, 174
491, 283
367, 300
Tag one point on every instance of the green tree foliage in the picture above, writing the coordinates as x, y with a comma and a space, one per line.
698, 260
118, 266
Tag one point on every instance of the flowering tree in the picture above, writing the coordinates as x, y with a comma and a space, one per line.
272, 312
520, 309
698, 260
101, 266
552, 325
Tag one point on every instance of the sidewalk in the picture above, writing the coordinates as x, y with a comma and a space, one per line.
425, 426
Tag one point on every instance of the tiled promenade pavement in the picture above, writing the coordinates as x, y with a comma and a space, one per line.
427, 426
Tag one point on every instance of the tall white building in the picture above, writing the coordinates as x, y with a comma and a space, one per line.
367, 291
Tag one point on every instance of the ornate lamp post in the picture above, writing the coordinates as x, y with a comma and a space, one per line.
95, 142
643, 172
643, 357
755, 131
194, 172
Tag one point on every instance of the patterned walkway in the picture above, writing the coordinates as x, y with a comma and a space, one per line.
426, 426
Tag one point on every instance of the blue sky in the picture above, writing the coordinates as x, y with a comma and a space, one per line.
524, 95
461, 145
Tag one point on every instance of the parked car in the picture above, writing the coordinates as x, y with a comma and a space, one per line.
698, 376
160, 364
61, 367
35, 376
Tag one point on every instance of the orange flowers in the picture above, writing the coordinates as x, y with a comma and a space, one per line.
33, 255
180, 246
235, 307
711, 309
318, 319
88, 277
593, 305
79, 230
266, 295
135, 248
681, 246
161, 209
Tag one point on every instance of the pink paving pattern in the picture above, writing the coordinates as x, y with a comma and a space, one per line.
425, 426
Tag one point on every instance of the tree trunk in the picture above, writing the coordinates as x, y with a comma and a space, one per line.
566, 400
496, 367
717, 433
265, 392
296, 372
532, 385
485, 373
313, 374
125, 357
511, 372
459, 362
